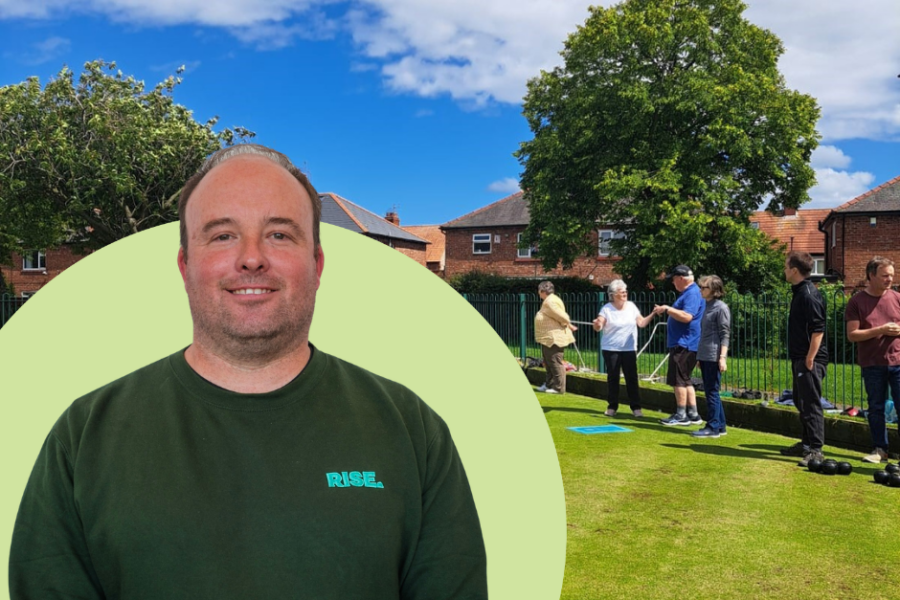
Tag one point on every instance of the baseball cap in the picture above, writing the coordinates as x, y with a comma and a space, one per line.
682, 271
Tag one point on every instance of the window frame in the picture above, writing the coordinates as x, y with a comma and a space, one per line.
818, 260
614, 234
530, 252
486, 238
41, 260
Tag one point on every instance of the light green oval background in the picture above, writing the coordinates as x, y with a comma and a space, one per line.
124, 307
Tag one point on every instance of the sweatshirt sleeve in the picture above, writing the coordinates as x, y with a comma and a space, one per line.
449, 561
815, 312
724, 325
49, 556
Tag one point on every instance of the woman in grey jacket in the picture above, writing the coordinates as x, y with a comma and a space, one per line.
712, 353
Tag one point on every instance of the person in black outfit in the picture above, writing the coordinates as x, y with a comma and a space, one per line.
808, 355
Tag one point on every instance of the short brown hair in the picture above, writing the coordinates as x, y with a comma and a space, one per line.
877, 261
715, 285
801, 261
274, 156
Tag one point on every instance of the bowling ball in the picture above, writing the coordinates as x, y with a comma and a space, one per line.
881, 476
844, 468
892, 468
829, 468
814, 465
894, 480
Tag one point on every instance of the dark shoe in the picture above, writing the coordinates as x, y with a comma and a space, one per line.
796, 450
675, 420
723, 432
695, 419
706, 432
811, 454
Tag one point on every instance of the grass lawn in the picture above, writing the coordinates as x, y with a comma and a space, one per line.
657, 514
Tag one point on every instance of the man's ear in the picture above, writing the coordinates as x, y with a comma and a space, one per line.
182, 262
320, 264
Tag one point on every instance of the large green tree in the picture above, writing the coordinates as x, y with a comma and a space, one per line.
94, 161
670, 121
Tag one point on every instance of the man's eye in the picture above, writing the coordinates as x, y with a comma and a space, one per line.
279, 236
222, 237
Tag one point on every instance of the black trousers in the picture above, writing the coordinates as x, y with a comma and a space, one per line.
807, 394
626, 362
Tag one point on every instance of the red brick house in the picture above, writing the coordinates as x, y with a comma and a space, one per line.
864, 227
798, 230
27, 274
486, 240
434, 253
343, 213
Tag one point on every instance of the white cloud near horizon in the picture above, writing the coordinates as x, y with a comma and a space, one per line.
508, 185
826, 156
834, 187
484, 52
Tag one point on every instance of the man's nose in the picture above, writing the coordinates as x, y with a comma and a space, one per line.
253, 256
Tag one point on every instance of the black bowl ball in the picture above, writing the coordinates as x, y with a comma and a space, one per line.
814, 465
894, 480
881, 476
844, 468
829, 468
892, 468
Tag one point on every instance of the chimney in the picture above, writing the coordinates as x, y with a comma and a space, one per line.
789, 212
392, 217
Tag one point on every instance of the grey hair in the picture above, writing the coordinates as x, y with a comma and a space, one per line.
616, 285
274, 156
546, 287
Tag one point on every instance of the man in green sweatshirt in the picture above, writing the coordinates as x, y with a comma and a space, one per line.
251, 464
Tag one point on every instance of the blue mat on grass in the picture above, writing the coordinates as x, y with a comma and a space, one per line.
600, 429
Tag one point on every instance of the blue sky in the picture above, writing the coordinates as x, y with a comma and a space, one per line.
415, 105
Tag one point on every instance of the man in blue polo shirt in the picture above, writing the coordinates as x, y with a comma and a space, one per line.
683, 337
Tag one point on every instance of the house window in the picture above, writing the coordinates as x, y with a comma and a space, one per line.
27, 294
754, 225
34, 261
833, 229
604, 236
481, 243
818, 265
527, 252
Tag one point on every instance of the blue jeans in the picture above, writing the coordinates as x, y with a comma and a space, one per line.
715, 412
877, 380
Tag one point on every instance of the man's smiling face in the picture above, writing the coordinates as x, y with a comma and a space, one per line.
251, 271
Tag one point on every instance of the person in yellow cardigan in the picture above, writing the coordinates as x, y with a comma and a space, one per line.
553, 331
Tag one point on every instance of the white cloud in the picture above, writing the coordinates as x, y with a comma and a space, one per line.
424, 112
507, 185
481, 52
847, 57
836, 187
41, 52
829, 157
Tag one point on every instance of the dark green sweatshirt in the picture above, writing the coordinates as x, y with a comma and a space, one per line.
161, 485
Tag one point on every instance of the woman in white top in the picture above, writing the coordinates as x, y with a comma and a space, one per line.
619, 320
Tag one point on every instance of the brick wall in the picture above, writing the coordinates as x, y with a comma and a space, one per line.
857, 242
503, 259
57, 260
414, 250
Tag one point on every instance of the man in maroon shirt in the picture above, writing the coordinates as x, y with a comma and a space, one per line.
873, 321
